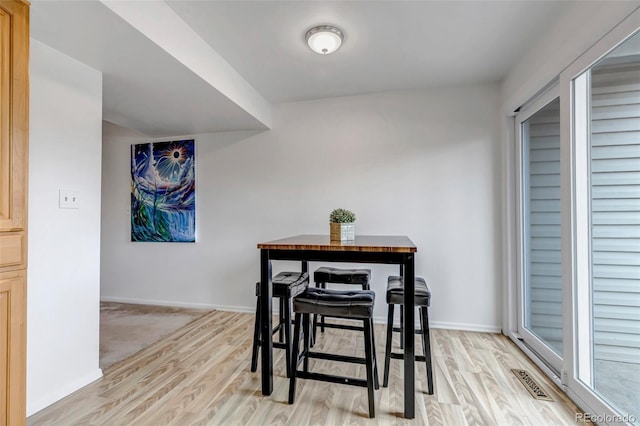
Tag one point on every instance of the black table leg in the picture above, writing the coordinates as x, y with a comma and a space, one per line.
265, 320
305, 266
409, 337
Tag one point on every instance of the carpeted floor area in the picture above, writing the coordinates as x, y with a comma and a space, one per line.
126, 328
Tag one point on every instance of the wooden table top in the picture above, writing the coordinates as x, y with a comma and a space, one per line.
369, 243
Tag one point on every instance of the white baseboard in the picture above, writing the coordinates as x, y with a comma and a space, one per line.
450, 325
175, 304
61, 392
480, 328
378, 319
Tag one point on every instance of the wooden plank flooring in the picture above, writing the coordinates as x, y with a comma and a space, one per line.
200, 376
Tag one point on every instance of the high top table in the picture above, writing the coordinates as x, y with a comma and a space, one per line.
388, 249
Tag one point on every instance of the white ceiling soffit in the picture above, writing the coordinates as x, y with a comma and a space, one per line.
182, 67
189, 90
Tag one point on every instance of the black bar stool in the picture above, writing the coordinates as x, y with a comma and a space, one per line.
286, 286
395, 296
326, 274
354, 305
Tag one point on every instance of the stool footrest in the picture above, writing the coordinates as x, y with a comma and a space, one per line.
399, 329
336, 357
396, 355
278, 345
332, 379
342, 326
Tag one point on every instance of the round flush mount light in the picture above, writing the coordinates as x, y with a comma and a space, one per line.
324, 39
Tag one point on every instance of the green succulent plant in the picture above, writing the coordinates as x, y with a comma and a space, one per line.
342, 216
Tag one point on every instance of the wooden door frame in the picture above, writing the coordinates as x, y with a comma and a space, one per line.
14, 121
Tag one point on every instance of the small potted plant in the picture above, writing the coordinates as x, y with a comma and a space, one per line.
342, 226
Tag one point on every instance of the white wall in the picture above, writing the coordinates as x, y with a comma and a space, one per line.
64, 244
582, 24
423, 164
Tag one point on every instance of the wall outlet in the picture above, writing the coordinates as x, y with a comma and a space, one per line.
69, 199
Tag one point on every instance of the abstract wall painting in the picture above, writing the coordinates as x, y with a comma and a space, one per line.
163, 192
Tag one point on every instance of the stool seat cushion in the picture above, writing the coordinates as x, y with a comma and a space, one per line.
395, 291
287, 284
328, 274
353, 304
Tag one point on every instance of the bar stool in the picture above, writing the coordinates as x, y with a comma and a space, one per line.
354, 305
326, 274
395, 296
286, 286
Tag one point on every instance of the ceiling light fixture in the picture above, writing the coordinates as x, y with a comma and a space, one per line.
324, 39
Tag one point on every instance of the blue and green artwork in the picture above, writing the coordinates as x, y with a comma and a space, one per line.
163, 189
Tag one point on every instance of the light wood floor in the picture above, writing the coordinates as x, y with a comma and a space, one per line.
200, 376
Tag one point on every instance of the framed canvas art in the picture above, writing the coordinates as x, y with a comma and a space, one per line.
163, 190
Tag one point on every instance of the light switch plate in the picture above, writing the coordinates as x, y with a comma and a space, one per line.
69, 199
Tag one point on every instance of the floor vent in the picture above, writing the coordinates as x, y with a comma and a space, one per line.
531, 385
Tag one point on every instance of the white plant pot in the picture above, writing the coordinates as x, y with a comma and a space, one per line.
342, 231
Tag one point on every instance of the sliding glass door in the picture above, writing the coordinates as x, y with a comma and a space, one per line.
607, 111
540, 295
578, 229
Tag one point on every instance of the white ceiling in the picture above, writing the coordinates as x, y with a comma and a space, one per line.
245, 55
